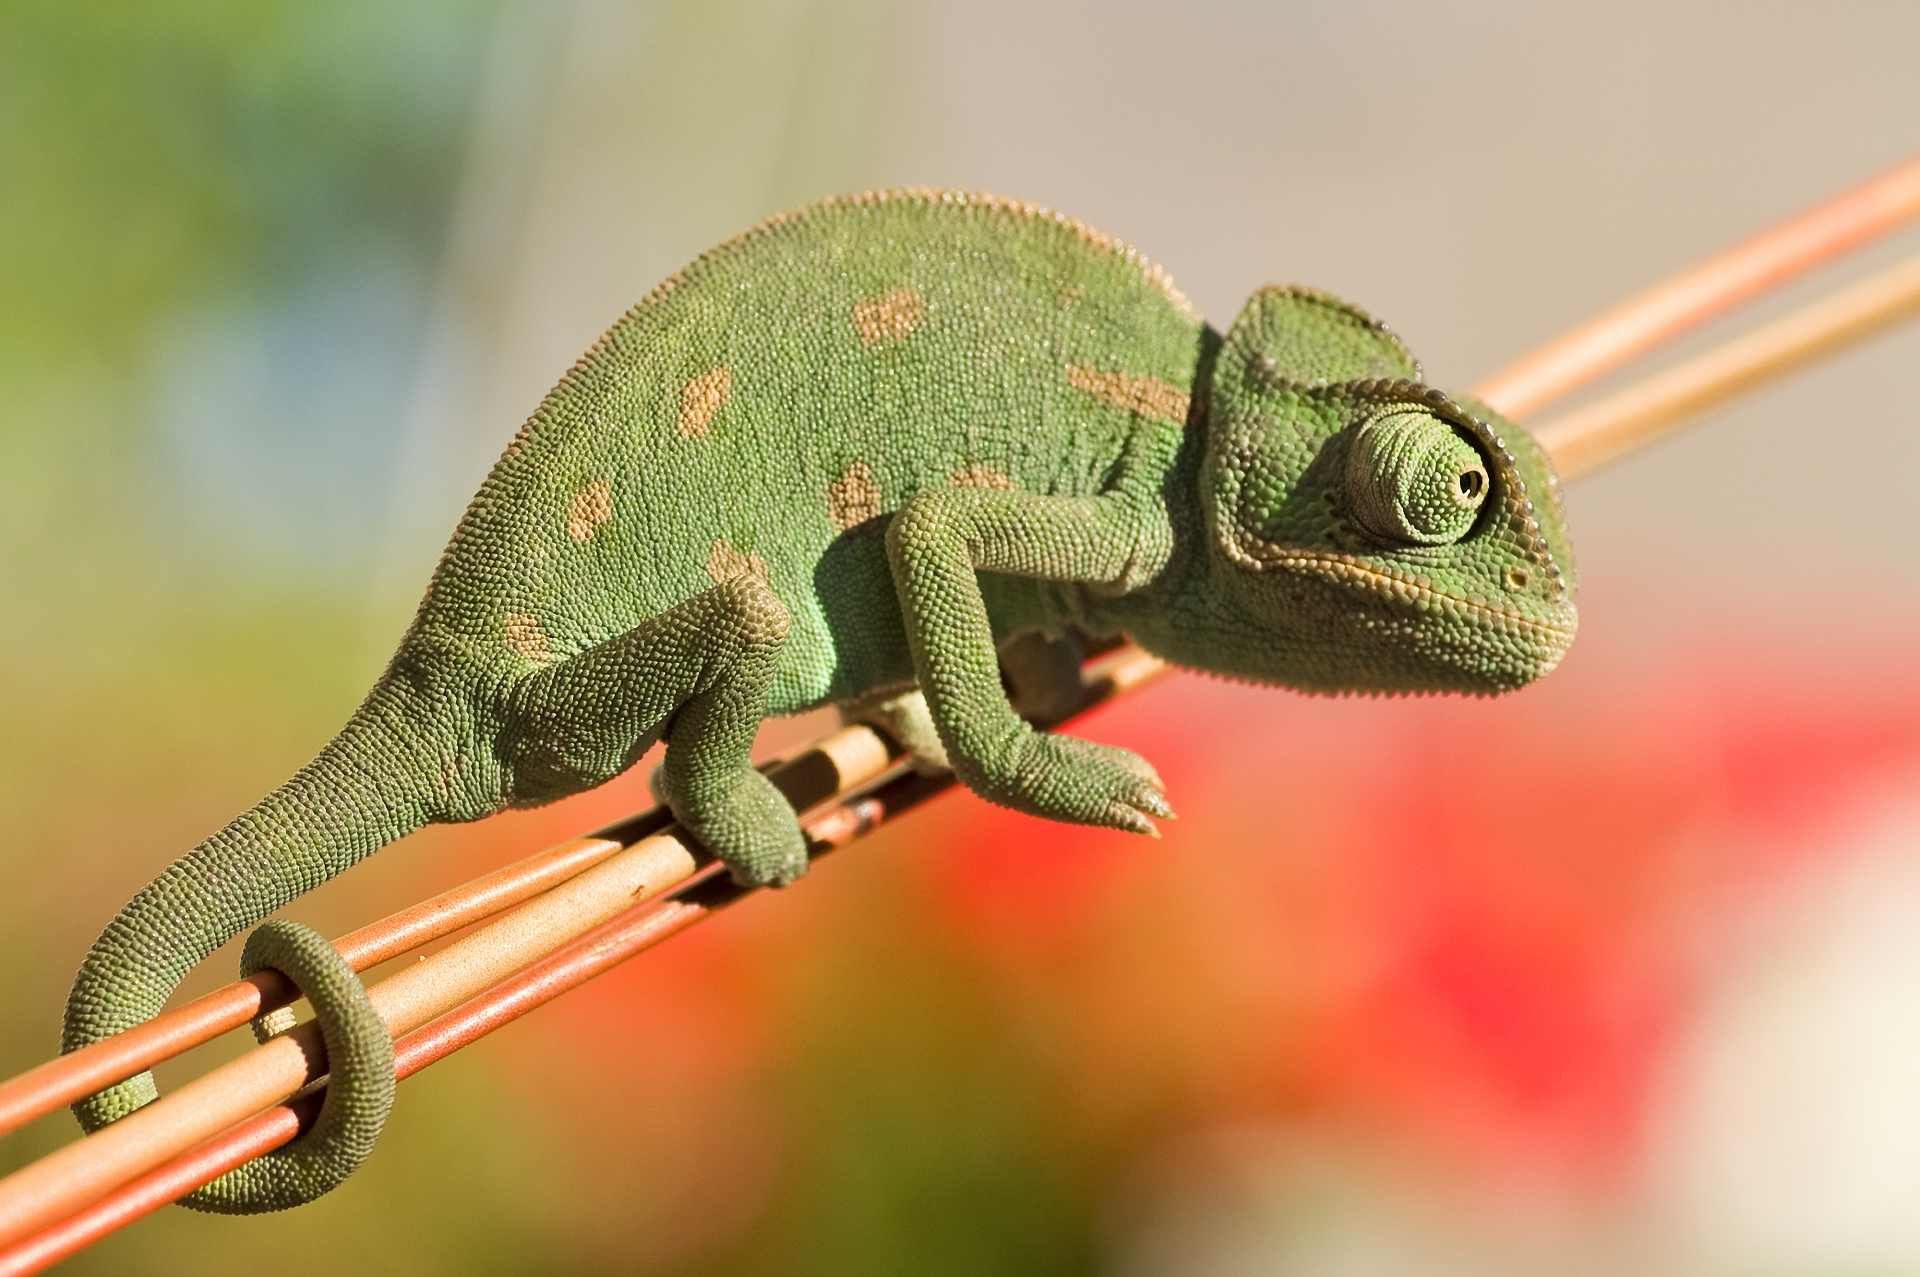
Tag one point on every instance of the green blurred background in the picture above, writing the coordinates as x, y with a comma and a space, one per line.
1615, 975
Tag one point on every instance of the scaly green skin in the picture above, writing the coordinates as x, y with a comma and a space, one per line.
846, 455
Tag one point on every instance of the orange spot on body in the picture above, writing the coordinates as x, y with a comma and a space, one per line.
854, 497
702, 398
981, 476
725, 562
1143, 396
527, 638
591, 507
890, 318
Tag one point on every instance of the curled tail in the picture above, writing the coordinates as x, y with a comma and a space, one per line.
369, 786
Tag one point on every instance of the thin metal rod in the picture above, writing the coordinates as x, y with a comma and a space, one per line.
202, 1164
67, 1179
1587, 438
67, 1078
1849, 220
74, 1076
606, 946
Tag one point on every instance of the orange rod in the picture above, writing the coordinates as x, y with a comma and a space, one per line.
74, 1076
1854, 218
68, 1178
593, 953
1589, 437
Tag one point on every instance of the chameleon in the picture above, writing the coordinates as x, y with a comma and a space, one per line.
844, 458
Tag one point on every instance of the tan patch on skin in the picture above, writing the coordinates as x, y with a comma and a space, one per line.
889, 318
854, 497
1070, 295
590, 508
979, 476
702, 398
528, 638
1147, 396
724, 563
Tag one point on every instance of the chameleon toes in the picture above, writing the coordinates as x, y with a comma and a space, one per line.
751, 828
1154, 803
1121, 816
1152, 789
1067, 778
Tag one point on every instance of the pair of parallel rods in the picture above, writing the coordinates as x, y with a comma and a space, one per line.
590, 903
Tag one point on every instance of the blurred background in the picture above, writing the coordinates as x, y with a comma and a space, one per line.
1615, 975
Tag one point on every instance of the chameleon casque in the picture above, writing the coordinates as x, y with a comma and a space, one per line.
839, 458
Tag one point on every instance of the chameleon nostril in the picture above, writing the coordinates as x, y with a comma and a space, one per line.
1517, 578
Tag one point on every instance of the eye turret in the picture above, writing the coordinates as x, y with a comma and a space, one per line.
1412, 478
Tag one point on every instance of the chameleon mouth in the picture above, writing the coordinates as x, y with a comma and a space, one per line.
1555, 631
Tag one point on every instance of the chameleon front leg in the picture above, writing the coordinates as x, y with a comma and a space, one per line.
703, 667
937, 544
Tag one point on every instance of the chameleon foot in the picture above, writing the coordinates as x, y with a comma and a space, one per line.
1066, 778
746, 823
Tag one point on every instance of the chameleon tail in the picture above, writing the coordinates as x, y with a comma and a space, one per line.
364, 790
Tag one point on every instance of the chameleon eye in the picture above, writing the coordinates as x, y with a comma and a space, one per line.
1412, 477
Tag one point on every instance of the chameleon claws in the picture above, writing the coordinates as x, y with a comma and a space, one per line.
1121, 816
1067, 778
1155, 803
1148, 796
1131, 812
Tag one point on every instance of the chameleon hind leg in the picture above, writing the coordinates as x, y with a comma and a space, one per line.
698, 674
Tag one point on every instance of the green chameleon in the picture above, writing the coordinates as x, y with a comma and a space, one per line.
843, 458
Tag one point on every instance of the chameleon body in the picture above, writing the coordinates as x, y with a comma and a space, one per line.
843, 457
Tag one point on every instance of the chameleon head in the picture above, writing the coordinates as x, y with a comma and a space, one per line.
1374, 534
